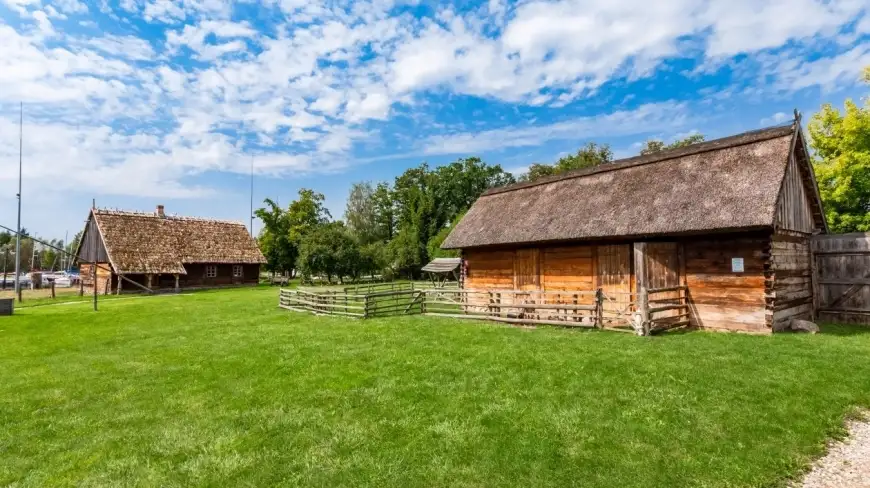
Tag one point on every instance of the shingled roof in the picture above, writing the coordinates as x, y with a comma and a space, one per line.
153, 243
725, 184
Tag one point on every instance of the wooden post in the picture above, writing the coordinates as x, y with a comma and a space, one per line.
5, 263
643, 307
148, 280
814, 276
177, 288
81, 285
52, 289
640, 278
120, 280
94, 274
599, 308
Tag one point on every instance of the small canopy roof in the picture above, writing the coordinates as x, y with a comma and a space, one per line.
442, 265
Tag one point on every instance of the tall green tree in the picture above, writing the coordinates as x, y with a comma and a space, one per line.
274, 239
5, 238
360, 214
385, 212
654, 145
306, 213
590, 155
457, 185
841, 142
330, 250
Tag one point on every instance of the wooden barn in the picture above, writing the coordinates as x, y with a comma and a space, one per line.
163, 252
715, 235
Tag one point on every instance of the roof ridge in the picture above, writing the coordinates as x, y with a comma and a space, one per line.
136, 213
736, 140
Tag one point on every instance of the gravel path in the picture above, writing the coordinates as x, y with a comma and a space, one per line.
847, 464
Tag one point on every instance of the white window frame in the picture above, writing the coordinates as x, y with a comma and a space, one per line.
211, 271
238, 271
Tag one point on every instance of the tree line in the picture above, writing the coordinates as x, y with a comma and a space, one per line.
43, 258
393, 229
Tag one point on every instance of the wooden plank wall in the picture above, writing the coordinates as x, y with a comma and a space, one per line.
567, 268
793, 210
842, 265
489, 270
720, 298
92, 248
791, 294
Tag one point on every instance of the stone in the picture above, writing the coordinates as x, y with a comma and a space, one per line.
803, 326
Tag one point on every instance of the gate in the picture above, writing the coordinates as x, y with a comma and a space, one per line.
841, 265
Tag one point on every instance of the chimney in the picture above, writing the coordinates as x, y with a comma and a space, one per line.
160, 212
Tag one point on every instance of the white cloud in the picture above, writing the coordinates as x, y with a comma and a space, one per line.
775, 119
302, 91
621, 123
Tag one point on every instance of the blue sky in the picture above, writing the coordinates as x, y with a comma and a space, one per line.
140, 102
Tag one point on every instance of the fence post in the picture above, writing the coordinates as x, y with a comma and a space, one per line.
643, 308
599, 308
366, 306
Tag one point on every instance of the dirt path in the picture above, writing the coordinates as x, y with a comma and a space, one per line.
847, 463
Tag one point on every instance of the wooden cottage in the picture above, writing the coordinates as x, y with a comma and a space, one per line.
719, 230
162, 252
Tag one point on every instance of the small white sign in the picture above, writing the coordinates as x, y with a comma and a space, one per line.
737, 265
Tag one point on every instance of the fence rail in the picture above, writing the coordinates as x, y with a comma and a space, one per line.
665, 308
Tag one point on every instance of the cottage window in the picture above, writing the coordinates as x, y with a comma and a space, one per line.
238, 271
211, 271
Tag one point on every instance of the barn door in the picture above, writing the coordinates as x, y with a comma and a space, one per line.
527, 274
614, 279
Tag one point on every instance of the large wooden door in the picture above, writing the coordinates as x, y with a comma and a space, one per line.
527, 271
614, 279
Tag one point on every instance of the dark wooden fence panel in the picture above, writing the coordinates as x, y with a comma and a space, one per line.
842, 272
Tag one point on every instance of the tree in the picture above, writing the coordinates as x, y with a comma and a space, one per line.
385, 212
274, 240
434, 244
842, 163
329, 250
5, 238
590, 155
361, 213
306, 213
457, 185
653, 145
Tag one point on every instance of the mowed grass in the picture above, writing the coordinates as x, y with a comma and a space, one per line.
224, 389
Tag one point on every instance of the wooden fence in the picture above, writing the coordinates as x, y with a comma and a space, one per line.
659, 310
841, 267
360, 305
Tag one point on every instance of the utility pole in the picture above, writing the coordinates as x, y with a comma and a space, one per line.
18, 229
252, 196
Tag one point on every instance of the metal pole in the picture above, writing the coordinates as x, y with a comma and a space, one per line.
18, 231
252, 196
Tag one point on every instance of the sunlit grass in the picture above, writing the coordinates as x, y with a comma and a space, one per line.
224, 389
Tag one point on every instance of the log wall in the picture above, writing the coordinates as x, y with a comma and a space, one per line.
719, 297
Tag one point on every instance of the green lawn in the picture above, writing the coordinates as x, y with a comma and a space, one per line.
224, 389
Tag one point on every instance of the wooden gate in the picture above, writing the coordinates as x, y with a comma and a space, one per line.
614, 280
842, 277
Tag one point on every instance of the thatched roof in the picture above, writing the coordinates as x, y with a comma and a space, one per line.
442, 265
725, 184
152, 243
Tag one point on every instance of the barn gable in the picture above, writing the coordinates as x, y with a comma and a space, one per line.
91, 247
799, 207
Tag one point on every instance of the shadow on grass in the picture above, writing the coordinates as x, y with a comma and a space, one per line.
844, 329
